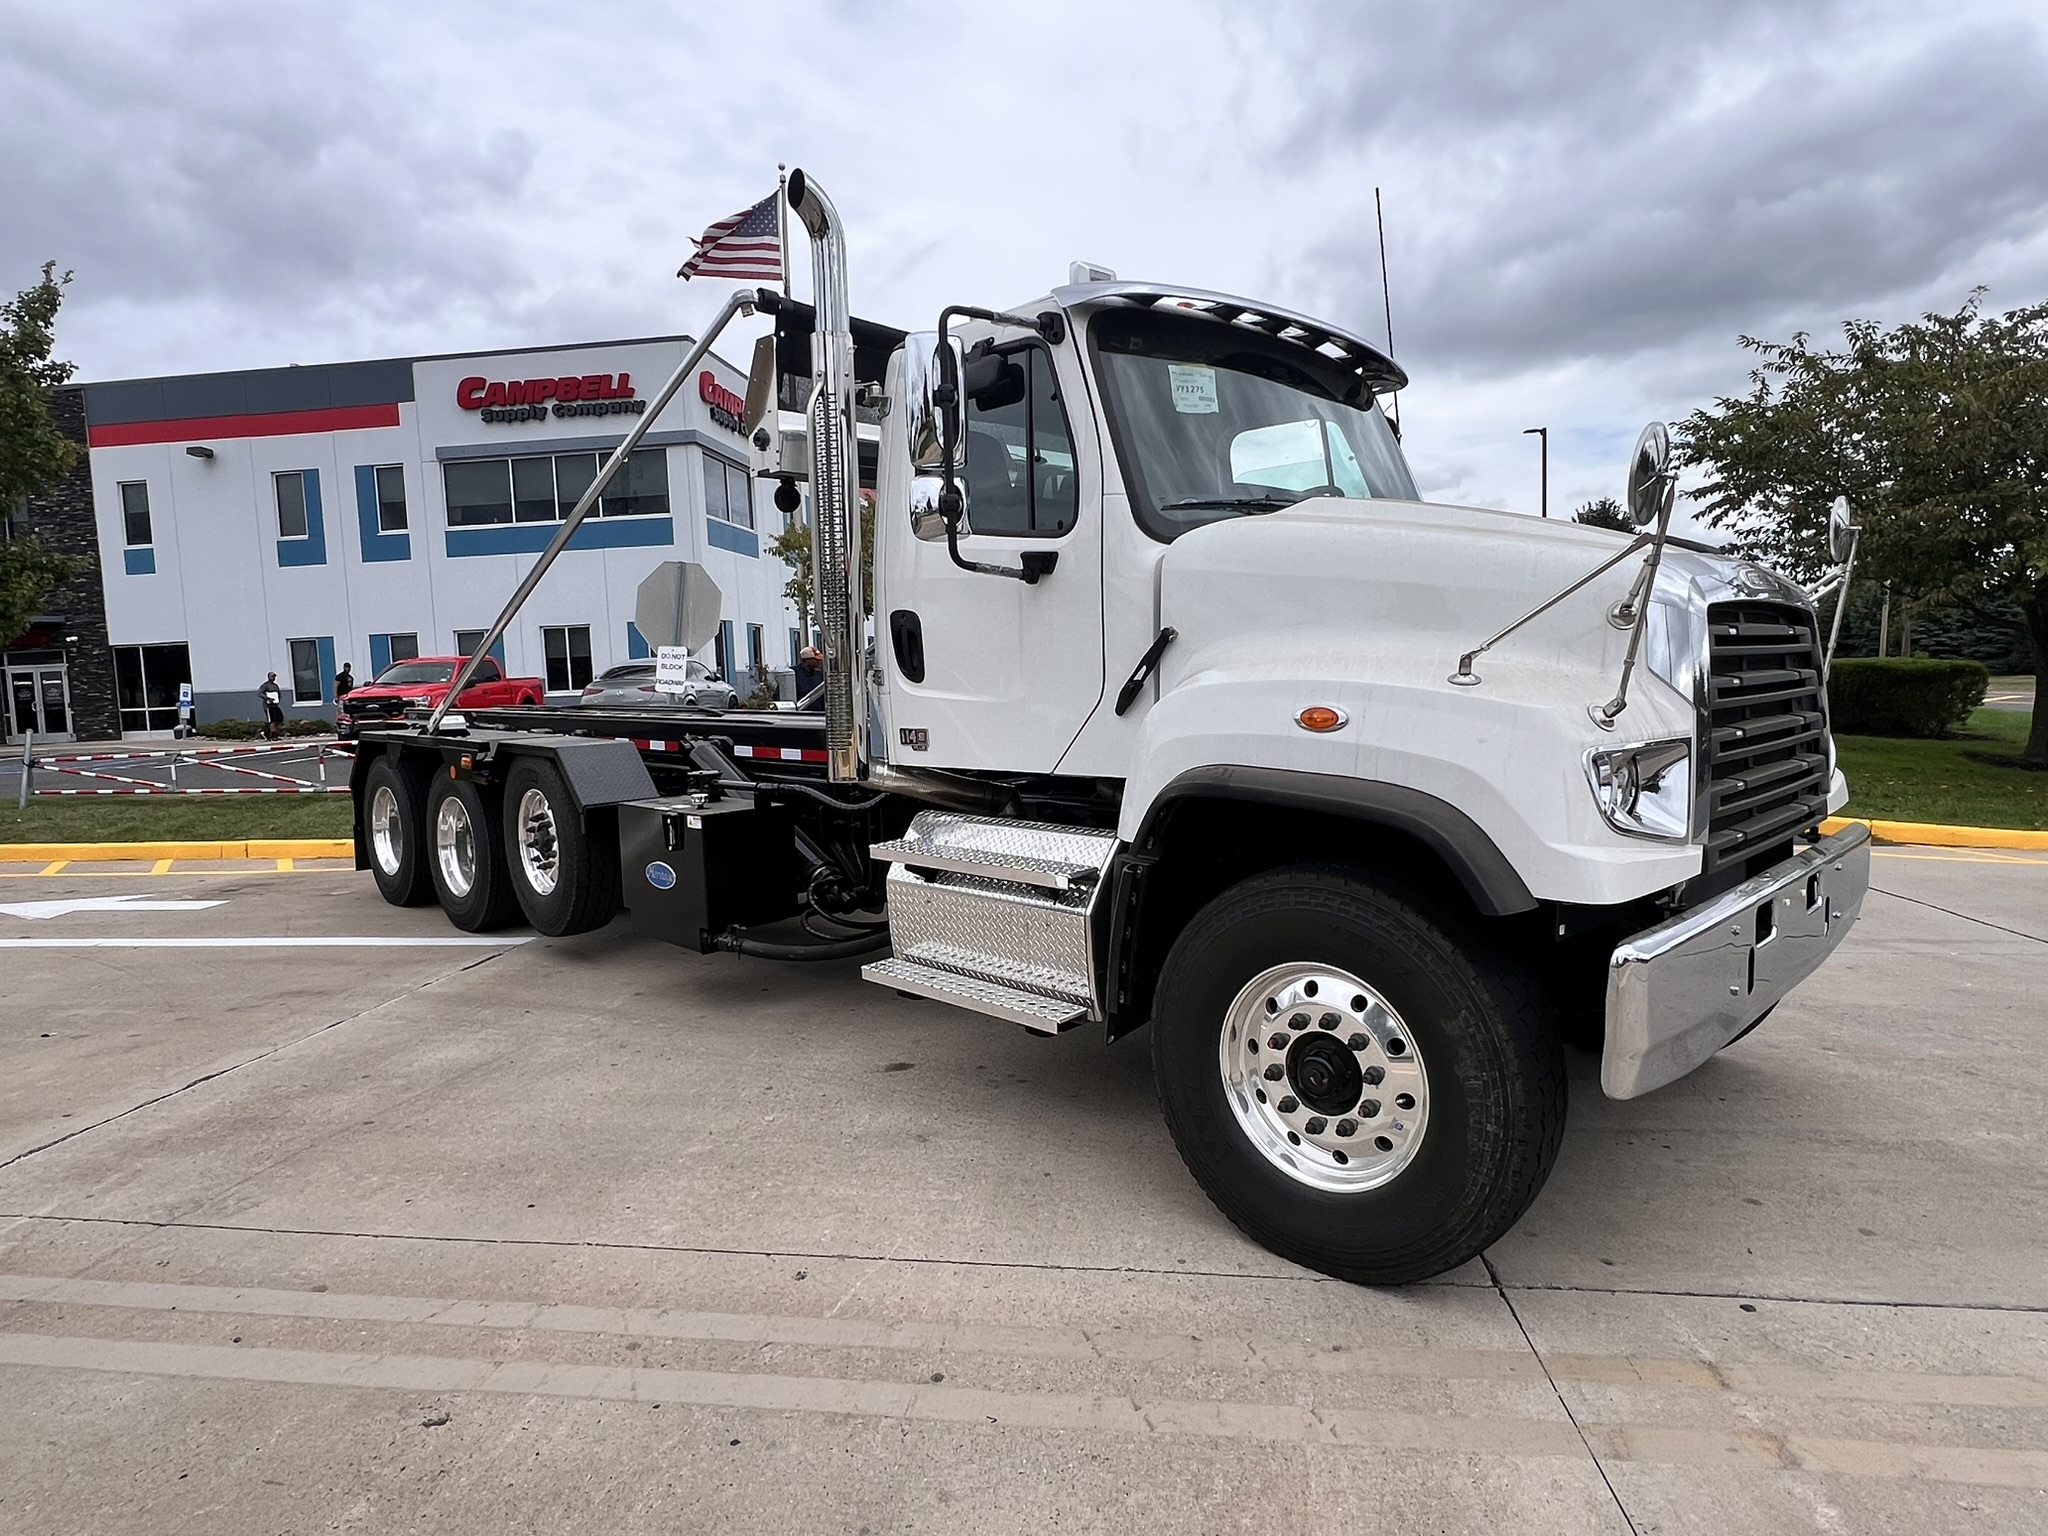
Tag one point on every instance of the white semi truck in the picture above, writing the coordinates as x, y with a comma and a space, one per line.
1177, 705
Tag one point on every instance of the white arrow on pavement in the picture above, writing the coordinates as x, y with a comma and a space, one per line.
66, 906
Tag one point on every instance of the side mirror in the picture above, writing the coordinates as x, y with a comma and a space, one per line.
1652, 482
931, 394
1842, 531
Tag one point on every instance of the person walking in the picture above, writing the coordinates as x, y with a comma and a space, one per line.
344, 681
273, 708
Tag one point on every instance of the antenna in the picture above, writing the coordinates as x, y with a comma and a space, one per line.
1386, 298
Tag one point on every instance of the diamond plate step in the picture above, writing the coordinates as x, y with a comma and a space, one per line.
1045, 1015
1032, 853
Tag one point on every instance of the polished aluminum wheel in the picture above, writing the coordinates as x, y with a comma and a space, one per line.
1323, 1078
455, 846
540, 849
387, 830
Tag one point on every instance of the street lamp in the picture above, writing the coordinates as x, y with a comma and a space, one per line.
1543, 436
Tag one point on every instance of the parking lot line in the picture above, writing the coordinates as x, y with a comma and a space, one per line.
1114, 1413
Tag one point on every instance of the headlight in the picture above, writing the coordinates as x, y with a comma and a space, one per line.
1645, 790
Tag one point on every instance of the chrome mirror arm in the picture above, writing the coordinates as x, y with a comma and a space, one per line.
1465, 677
1604, 715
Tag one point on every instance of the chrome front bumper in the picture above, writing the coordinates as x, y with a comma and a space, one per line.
1679, 992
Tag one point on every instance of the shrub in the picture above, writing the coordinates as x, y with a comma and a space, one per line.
1894, 696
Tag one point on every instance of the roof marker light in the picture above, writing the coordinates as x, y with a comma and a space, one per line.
1321, 718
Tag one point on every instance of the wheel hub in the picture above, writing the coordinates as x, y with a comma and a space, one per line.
539, 841
455, 846
1323, 1077
387, 833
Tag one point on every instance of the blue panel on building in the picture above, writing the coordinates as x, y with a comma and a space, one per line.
312, 549
637, 648
139, 562
376, 546
380, 653
532, 538
724, 535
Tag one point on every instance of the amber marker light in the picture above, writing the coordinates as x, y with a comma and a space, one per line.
1320, 718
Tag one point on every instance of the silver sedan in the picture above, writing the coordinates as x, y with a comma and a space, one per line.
631, 686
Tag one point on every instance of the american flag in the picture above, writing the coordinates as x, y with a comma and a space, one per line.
748, 244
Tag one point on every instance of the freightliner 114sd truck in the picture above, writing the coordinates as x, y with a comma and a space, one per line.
1176, 704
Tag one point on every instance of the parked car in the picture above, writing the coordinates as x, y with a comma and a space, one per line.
631, 686
422, 683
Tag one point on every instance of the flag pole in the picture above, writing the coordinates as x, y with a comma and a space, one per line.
782, 221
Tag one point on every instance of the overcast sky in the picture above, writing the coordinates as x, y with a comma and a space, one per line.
1586, 201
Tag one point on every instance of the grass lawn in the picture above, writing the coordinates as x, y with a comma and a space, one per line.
1892, 779
152, 818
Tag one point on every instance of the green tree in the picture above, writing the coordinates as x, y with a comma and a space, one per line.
1937, 432
33, 453
792, 546
1606, 512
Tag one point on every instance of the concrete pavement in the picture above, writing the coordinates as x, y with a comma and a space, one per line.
523, 1235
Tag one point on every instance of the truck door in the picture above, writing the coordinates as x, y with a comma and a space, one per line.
985, 671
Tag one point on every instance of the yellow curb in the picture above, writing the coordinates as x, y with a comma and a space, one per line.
1931, 834
253, 848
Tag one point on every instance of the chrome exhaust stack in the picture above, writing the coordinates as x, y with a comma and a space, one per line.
835, 483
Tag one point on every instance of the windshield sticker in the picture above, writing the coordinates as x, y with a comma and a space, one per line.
1194, 388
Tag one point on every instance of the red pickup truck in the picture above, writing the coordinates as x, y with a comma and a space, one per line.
421, 683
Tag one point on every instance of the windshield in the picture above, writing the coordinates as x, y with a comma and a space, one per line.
416, 672
1213, 421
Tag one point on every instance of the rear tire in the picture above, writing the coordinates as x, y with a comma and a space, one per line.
1449, 1073
467, 856
395, 819
564, 864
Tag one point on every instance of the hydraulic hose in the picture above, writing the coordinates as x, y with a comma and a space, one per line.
844, 949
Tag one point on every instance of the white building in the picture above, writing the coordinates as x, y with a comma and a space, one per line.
292, 519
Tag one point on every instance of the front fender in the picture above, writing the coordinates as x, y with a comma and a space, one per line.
1508, 757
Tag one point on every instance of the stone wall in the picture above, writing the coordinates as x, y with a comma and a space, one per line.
63, 518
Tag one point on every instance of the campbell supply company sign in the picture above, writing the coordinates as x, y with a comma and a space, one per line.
726, 408
589, 394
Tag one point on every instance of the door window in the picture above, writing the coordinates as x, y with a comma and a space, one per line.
567, 647
1017, 450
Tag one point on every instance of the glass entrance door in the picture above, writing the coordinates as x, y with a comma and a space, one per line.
39, 700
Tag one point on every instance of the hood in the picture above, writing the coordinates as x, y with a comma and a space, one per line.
1399, 590
397, 690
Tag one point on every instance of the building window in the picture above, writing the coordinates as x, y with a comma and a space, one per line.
146, 683
757, 643
728, 492
544, 488
467, 640
291, 505
403, 647
568, 653
135, 529
306, 678
391, 516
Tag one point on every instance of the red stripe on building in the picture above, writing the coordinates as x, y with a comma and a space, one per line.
338, 418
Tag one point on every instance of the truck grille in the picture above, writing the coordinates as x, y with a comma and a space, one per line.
1766, 730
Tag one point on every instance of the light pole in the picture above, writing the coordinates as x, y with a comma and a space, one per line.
1543, 437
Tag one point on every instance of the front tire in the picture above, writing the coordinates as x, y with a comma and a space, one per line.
565, 870
467, 856
395, 819
1356, 1079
